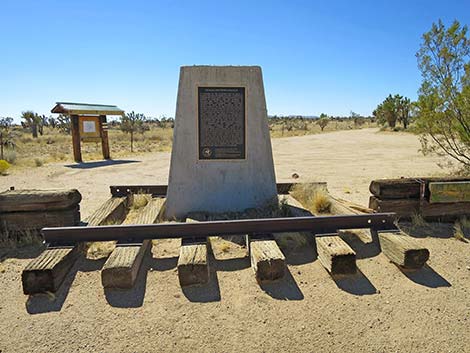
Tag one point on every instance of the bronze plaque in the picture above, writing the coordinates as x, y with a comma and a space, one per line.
221, 116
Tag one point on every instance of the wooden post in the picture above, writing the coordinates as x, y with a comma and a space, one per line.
77, 153
104, 136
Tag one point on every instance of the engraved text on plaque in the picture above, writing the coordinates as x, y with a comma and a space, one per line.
221, 120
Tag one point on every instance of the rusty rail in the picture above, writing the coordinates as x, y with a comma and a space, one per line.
160, 190
137, 233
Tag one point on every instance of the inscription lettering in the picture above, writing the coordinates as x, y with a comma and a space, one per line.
221, 116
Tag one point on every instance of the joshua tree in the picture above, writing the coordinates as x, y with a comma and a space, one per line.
323, 121
132, 123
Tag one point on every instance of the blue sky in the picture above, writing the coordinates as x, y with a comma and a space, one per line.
317, 56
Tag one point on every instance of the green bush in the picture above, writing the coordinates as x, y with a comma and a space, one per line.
4, 166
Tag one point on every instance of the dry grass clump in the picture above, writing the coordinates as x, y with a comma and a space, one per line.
312, 196
100, 249
459, 229
139, 201
19, 238
417, 220
4, 166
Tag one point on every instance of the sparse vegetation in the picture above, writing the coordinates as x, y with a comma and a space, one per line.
4, 166
458, 232
313, 197
443, 109
132, 123
323, 121
392, 110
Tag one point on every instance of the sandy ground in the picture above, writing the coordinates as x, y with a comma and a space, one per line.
382, 309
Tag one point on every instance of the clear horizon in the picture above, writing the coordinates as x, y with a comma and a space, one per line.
317, 57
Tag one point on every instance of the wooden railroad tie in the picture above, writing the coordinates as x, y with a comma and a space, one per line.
193, 265
336, 255
400, 248
47, 272
333, 252
267, 260
121, 269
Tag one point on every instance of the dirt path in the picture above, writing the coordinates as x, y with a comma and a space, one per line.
382, 309
347, 160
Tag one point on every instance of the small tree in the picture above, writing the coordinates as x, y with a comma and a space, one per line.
63, 124
31, 121
403, 110
443, 106
132, 123
323, 121
6, 135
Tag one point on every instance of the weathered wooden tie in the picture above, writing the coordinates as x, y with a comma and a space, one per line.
400, 248
193, 265
121, 269
403, 250
267, 260
336, 255
47, 272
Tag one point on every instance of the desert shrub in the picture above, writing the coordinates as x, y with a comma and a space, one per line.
321, 202
313, 197
38, 162
4, 166
443, 109
26, 139
10, 156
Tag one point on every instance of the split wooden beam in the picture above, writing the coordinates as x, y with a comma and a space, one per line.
122, 267
336, 255
403, 250
267, 260
399, 247
406, 188
193, 265
333, 252
406, 208
38, 200
47, 272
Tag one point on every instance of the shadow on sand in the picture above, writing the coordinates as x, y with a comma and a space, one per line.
209, 292
97, 164
49, 302
357, 284
426, 276
284, 289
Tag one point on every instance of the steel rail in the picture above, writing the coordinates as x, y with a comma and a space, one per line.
161, 190
137, 233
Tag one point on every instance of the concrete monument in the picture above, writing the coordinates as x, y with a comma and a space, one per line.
221, 158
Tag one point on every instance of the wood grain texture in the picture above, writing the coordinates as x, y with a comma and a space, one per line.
267, 260
48, 270
403, 250
335, 255
113, 210
406, 208
18, 224
38, 200
122, 267
193, 266
445, 192
405, 188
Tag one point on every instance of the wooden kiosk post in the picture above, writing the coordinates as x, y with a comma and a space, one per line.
88, 124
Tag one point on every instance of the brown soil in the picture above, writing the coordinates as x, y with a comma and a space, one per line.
382, 309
